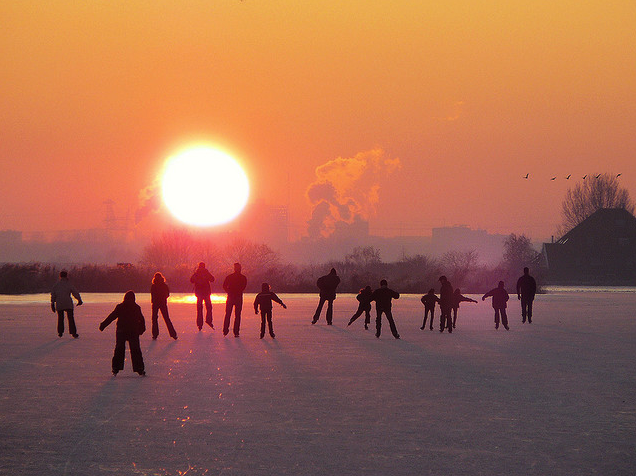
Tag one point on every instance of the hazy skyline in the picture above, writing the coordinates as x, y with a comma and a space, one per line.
467, 97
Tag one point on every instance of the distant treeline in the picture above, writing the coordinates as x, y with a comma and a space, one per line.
361, 267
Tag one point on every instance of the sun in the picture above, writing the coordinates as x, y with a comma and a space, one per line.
204, 186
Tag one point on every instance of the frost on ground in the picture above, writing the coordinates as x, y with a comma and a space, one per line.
554, 397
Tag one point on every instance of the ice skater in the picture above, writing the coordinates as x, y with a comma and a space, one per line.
445, 305
263, 301
526, 290
202, 290
458, 298
499, 303
61, 302
130, 325
327, 285
364, 306
234, 285
383, 297
159, 293
429, 300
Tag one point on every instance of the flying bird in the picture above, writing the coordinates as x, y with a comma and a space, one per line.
597, 176
526, 176
618, 175
585, 176
568, 177
553, 178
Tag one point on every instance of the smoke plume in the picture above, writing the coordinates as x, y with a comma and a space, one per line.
149, 201
347, 189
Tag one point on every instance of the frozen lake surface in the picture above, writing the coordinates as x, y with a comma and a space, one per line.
554, 397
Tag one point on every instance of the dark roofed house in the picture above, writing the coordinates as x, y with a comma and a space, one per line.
599, 250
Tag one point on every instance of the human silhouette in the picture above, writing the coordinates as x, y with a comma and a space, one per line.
234, 285
383, 297
202, 290
457, 298
429, 300
61, 302
364, 306
499, 303
159, 293
526, 290
264, 301
327, 285
130, 325
445, 305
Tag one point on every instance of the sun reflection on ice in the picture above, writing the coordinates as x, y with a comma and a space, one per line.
192, 299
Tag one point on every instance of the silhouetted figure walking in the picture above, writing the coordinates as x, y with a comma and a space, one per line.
61, 302
234, 285
364, 306
130, 325
429, 300
382, 297
499, 303
159, 293
202, 290
264, 301
457, 298
327, 285
445, 305
526, 290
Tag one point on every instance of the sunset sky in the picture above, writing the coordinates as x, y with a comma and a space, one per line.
449, 105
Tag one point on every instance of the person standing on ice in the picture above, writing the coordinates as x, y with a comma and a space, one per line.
327, 285
263, 301
234, 285
364, 299
382, 297
159, 293
61, 301
445, 305
201, 280
457, 299
429, 300
130, 325
526, 289
499, 303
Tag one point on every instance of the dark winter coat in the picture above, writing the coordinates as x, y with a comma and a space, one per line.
429, 301
327, 285
130, 320
526, 287
201, 280
264, 300
446, 295
364, 298
382, 297
159, 293
235, 284
499, 298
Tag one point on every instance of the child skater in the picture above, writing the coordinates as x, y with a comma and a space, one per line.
264, 300
364, 298
457, 298
429, 300
499, 303
159, 293
130, 325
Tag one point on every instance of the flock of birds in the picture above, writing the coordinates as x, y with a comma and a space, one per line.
526, 176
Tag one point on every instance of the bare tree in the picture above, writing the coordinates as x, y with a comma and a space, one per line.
602, 191
518, 252
457, 265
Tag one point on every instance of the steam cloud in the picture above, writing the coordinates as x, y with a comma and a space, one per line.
149, 201
347, 190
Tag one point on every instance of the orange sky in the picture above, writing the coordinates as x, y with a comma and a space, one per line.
469, 96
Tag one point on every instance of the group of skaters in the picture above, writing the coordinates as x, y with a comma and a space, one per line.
131, 323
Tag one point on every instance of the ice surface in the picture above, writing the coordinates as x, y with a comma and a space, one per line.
557, 397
